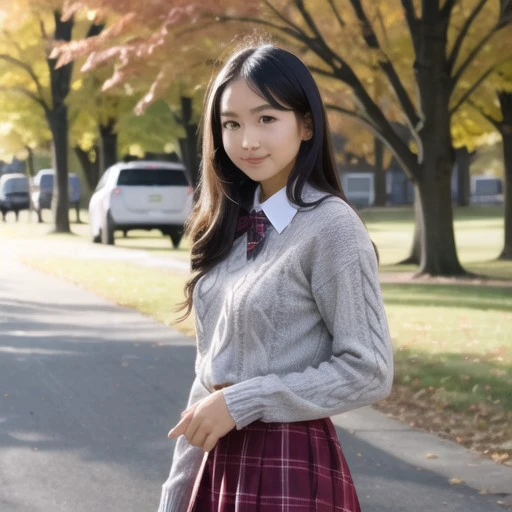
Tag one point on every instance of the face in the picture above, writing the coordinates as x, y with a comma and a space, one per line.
261, 141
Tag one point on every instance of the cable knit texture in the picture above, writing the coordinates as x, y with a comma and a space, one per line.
300, 331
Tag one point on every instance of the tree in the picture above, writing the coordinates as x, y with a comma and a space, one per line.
432, 56
442, 55
165, 51
23, 128
498, 113
29, 31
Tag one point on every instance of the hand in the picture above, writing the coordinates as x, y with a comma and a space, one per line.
205, 422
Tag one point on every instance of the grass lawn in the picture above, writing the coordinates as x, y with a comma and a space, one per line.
453, 347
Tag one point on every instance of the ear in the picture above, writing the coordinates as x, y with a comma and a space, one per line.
307, 126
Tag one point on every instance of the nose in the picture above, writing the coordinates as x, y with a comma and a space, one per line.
250, 140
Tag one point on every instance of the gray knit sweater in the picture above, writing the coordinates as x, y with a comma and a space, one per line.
300, 330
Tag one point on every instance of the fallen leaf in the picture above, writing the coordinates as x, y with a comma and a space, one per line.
455, 481
431, 456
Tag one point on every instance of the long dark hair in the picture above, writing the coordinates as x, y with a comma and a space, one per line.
287, 84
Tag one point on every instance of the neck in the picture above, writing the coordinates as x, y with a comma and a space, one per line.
269, 189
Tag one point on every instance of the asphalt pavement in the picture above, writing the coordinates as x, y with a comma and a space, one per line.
89, 390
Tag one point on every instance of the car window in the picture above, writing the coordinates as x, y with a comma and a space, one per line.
46, 181
152, 177
16, 185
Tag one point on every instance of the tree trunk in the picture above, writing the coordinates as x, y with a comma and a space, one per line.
91, 169
506, 253
415, 252
108, 145
379, 174
192, 143
506, 134
30, 162
433, 181
60, 80
60, 200
189, 144
463, 182
438, 251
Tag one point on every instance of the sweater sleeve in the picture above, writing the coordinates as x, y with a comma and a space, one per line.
186, 462
360, 369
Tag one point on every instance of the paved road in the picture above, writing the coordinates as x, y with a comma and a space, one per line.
89, 390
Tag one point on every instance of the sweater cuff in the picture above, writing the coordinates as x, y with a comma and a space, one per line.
172, 503
245, 401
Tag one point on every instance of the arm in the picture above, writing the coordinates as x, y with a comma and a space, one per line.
187, 459
360, 369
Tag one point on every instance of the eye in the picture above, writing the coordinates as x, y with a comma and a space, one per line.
230, 125
267, 119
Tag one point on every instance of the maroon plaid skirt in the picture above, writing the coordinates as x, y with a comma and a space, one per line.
276, 467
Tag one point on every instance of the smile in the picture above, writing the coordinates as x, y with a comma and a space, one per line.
254, 160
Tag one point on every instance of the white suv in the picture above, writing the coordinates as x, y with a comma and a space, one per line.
140, 195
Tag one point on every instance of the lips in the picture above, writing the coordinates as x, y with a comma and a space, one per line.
254, 160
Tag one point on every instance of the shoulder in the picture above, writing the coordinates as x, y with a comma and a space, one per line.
332, 216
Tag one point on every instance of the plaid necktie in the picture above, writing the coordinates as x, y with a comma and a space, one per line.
255, 223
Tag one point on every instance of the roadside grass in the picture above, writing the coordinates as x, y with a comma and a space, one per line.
151, 241
478, 236
154, 292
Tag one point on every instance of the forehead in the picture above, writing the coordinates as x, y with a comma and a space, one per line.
240, 97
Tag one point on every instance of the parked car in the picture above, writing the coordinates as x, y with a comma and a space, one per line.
42, 192
141, 195
14, 194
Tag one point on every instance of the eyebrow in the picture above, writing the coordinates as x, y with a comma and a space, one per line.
265, 106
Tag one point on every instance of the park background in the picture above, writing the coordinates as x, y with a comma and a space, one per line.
419, 96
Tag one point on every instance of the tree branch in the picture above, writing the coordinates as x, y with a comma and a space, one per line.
283, 18
379, 134
23, 65
353, 114
487, 117
13, 41
318, 43
381, 124
462, 34
472, 89
412, 23
341, 23
28, 94
448, 6
42, 28
343, 72
386, 65
469, 59
245, 19
323, 72
95, 29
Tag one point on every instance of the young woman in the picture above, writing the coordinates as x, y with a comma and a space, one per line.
291, 327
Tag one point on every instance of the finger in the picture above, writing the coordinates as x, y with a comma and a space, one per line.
193, 426
210, 442
199, 438
180, 428
191, 409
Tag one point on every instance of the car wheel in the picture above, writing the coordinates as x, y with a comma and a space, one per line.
176, 233
96, 239
107, 230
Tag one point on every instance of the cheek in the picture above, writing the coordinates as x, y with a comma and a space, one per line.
228, 143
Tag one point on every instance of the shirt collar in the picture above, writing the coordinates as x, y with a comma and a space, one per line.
277, 208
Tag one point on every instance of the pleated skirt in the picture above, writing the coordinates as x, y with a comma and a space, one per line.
276, 467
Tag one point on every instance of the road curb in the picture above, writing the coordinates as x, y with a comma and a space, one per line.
428, 452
